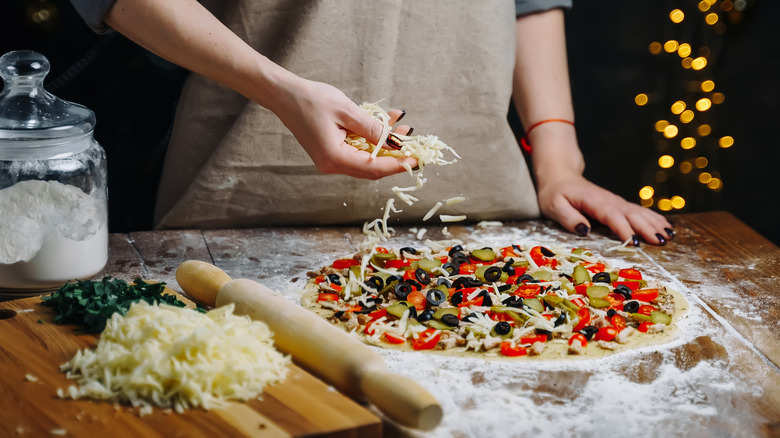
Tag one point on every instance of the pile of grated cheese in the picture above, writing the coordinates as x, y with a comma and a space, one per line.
426, 149
172, 357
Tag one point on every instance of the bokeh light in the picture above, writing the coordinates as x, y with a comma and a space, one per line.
678, 107
641, 99
704, 130
688, 143
726, 142
707, 86
677, 16
678, 202
703, 104
671, 131
646, 192
686, 116
664, 204
666, 161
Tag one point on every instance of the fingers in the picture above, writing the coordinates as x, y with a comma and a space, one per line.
573, 201
360, 164
569, 217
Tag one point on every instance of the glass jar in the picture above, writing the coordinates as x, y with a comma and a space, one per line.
53, 194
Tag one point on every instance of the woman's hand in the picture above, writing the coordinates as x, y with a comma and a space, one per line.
569, 199
320, 117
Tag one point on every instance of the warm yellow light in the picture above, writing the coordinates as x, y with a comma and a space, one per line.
671, 46
678, 202
726, 142
666, 161
686, 116
646, 202
704, 130
684, 50
661, 125
715, 184
646, 192
686, 167
718, 98
664, 204
655, 47
711, 18
701, 162
704, 177
707, 86
699, 63
704, 5
677, 16
671, 131
641, 99
678, 107
687, 143
687, 62
703, 104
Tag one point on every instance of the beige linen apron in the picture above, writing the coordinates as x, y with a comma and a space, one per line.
232, 163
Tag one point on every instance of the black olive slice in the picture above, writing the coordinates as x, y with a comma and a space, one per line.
375, 282
486, 300
611, 313
504, 287
408, 250
459, 259
517, 248
402, 290
338, 314
444, 281
451, 268
508, 267
470, 317
393, 278
425, 315
492, 274
450, 320
525, 277
589, 331
544, 332
631, 306
474, 282
412, 312
513, 301
502, 328
455, 249
602, 277
560, 320
546, 252
413, 284
422, 276
624, 290
435, 297
365, 310
456, 298
334, 279
462, 282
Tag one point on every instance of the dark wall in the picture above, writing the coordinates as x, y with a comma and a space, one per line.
134, 94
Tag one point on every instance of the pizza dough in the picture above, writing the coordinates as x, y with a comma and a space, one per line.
510, 302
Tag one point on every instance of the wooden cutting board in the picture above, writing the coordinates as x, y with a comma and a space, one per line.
32, 347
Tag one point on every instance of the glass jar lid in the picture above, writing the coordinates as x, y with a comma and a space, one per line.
35, 124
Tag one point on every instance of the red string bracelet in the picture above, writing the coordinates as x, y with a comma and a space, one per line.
524, 141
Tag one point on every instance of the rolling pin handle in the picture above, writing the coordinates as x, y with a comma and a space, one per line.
202, 281
401, 398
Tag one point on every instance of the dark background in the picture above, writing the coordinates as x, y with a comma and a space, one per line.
134, 95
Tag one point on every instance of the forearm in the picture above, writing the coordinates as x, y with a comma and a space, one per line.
187, 34
541, 91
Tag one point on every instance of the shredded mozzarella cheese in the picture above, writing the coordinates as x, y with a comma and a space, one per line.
177, 358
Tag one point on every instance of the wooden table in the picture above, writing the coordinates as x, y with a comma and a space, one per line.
722, 378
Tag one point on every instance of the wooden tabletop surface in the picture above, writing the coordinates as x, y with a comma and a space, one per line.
728, 272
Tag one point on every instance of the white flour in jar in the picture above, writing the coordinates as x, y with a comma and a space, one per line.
50, 233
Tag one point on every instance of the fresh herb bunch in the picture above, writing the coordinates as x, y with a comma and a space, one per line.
90, 304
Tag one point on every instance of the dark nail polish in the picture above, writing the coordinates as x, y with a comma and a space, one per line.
416, 168
410, 131
661, 239
669, 232
635, 240
581, 229
403, 113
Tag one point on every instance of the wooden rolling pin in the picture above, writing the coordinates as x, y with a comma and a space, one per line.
320, 347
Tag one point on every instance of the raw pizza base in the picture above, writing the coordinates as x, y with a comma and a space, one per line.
556, 349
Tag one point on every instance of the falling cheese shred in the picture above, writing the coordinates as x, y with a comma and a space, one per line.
172, 357
426, 149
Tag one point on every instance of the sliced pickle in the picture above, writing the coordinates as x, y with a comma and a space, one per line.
580, 275
484, 255
599, 303
659, 317
534, 304
542, 275
597, 292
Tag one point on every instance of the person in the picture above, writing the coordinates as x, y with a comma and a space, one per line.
273, 75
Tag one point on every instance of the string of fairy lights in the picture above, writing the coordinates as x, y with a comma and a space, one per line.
687, 142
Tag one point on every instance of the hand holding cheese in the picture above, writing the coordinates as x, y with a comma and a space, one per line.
327, 351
